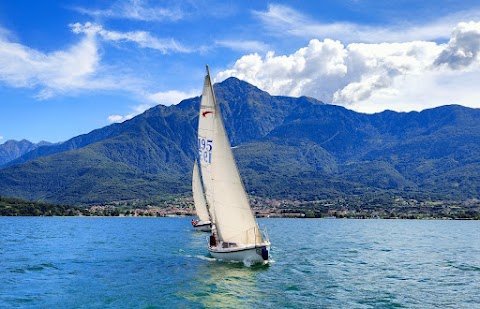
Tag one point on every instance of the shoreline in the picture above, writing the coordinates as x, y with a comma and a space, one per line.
261, 207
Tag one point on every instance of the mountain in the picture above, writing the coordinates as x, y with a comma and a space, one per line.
12, 149
296, 148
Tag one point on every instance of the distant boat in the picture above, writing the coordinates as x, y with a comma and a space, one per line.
204, 224
235, 232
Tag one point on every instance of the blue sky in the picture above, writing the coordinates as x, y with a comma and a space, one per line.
68, 67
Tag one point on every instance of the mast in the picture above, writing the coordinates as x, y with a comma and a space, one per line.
206, 141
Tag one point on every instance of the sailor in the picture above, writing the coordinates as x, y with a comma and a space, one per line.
213, 239
193, 222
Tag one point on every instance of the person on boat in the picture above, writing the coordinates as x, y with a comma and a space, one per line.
193, 222
213, 240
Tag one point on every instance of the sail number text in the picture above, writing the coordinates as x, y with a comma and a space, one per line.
205, 147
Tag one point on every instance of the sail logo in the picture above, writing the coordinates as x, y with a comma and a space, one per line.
204, 114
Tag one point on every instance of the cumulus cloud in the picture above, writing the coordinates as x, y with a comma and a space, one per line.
295, 74
463, 47
360, 74
374, 67
135, 10
142, 38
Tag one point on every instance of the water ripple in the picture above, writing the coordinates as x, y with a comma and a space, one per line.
160, 262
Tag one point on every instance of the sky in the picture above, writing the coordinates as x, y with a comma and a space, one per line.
69, 67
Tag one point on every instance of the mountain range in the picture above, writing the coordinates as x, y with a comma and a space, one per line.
11, 149
291, 148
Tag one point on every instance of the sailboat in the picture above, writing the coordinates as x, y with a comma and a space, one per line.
204, 224
235, 232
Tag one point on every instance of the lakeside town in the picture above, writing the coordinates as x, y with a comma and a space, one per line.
281, 208
397, 208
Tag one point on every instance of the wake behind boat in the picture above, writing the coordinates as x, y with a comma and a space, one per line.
235, 232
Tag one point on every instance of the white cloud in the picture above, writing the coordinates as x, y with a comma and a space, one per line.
320, 63
171, 97
78, 67
116, 118
463, 47
135, 10
1, 138
165, 98
136, 111
69, 71
21, 66
430, 89
142, 38
281, 20
5, 34
374, 67
373, 77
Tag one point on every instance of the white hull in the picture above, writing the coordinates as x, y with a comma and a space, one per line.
202, 226
250, 254
205, 227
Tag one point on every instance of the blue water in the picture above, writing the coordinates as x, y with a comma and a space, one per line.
160, 263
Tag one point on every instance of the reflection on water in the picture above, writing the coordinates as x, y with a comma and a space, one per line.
223, 284
230, 285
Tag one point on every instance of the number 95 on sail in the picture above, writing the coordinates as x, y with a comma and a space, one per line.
205, 150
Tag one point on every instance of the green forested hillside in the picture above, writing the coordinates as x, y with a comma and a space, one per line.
295, 148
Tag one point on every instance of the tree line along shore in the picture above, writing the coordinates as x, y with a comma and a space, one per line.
397, 208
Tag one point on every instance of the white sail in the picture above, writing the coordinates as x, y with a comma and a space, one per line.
198, 196
205, 142
226, 194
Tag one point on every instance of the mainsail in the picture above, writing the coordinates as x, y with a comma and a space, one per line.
224, 189
205, 142
199, 195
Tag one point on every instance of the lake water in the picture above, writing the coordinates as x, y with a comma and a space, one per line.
80, 262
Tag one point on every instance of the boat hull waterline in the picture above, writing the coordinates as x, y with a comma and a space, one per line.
251, 254
203, 227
